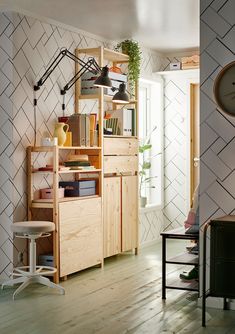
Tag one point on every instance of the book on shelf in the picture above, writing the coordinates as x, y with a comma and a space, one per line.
82, 168
76, 163
122, 122
79, 125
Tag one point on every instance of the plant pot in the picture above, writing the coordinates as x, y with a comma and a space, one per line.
143, 202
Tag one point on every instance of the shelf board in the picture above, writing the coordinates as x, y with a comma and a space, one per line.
79, 147
117, 136
48, 203
51, 148
80, 171
109, 55
185, 258
69, 171
182, 285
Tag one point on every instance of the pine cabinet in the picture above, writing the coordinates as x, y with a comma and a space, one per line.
80, 235
120, 214
112, 216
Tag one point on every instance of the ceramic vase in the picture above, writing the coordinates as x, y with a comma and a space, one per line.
60, 132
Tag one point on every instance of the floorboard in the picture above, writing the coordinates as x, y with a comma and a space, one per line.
122, 298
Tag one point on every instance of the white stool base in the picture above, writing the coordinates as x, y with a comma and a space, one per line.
32, 273
26, 280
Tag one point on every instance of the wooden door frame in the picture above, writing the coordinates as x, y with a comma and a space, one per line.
194, 79
192, 135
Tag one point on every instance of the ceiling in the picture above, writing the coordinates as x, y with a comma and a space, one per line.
163, 25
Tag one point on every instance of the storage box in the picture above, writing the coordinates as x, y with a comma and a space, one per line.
46, 260
175, 66
47, 193
88, 79
78, 188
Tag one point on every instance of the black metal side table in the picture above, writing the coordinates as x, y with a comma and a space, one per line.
181, 259
222, 261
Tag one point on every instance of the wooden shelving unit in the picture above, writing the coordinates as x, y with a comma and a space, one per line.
82, 224
120, 167
64, 210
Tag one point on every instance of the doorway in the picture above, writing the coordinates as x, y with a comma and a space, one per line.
194, 138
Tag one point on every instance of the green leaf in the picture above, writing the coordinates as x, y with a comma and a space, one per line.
142, 172
147, 147
146, 165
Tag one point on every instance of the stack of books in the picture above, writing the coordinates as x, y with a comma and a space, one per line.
78, 162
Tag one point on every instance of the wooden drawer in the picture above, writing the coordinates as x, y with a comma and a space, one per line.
120, 164
120, 146
81, 243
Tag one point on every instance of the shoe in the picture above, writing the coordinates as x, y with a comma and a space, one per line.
191, 275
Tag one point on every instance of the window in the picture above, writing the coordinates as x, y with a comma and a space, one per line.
151, 126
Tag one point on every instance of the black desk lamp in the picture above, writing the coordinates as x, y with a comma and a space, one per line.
85, 66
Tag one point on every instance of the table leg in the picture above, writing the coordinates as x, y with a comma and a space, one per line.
163, 267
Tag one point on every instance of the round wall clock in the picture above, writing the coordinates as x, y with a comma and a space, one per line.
224, 89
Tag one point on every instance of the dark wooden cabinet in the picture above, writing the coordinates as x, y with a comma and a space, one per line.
221, 259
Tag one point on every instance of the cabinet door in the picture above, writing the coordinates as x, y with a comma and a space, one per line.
112, 216
129, 212
80, 229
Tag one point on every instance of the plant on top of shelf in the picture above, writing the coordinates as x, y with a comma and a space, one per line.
145, 166
132, 49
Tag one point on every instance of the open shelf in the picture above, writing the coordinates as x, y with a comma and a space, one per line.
185, 258
48, 203
182, 285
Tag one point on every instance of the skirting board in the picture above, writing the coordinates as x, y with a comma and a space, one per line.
150, 243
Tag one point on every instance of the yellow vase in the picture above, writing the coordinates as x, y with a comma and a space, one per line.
60, 132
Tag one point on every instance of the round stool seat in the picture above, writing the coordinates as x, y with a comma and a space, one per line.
33, 227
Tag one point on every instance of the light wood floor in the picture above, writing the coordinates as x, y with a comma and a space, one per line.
125, 297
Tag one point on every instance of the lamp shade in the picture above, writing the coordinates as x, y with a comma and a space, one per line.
121, 96
103, 80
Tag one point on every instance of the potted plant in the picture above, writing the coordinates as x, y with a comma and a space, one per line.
145, 166
132, 49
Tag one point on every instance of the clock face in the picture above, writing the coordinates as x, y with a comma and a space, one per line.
224, 89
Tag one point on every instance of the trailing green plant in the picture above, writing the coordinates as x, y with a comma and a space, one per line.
145, 163
132, 49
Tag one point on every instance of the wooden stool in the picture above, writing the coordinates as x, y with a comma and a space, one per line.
26, 275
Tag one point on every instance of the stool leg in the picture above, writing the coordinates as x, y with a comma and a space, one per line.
14, 281
47, 282
32, 258
22, 287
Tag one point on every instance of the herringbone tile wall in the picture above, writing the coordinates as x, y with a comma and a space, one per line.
217, 130
27, 46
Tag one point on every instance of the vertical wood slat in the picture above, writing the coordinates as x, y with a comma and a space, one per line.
29, 182
112, 216
129, 213
101, 117
55, 212
77, 85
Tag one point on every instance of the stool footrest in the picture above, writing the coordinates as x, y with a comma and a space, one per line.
40, 270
